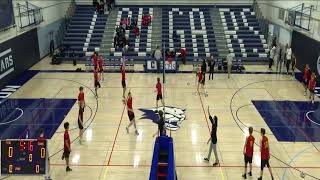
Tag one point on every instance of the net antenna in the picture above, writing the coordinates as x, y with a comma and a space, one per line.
164, 81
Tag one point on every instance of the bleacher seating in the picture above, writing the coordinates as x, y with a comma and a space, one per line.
243, 34
190, 28
183, 26
84, 32
138, 47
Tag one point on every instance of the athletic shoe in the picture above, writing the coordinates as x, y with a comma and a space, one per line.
137, 133
127, 130
206, 159
244, 176
216, 164
250, 173
260, 178
68, 169
81, 141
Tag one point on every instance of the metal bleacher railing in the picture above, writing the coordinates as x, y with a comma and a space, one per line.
264, 23
29, 14
62, 28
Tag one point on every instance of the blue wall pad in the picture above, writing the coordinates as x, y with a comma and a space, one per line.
291, 121
26, 117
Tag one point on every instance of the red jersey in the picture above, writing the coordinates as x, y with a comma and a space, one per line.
81, 97
159, 89
249, 146
200, 76
41, 139
312, 83
95, 74
136, 30
100, 63
123, 73
94, 59
265, 148
183, 52
129, 103
66, 138
306, 74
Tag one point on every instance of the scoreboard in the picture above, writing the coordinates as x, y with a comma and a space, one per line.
23, 157
169, 67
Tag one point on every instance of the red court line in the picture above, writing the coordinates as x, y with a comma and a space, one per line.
183, 166
115, 138
204, 111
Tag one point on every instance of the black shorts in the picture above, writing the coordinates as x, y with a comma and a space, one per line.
311, 91
264, 163
123, 82
97, 84
80, 119
202, 81
66, 154
95, 67
131, 116
80, 124
247, 159
159, 96
306, 82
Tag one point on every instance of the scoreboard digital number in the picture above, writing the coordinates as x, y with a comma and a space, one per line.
23, 157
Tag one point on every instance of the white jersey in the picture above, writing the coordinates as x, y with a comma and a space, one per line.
289, 53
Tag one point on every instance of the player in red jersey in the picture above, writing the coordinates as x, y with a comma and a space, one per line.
265, 153
248, 153
81, 103
94, 59
312, 86
159, 92
100, 68
67, 146
183, 52
128, 102
201, 81
96, 82
123, 78
306, 78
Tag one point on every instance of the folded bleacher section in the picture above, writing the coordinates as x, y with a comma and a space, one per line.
84, 32
139, 48
189, 28
243, 34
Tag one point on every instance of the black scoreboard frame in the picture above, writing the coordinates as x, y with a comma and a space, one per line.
22, 144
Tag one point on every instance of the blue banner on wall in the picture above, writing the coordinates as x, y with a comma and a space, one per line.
6, 14
17, 55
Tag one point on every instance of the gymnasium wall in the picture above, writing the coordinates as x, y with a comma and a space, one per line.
270, 10
17, 55
307, 51
44, 36
53, 10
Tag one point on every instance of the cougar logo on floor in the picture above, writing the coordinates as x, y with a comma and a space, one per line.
6, 63
173, 116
